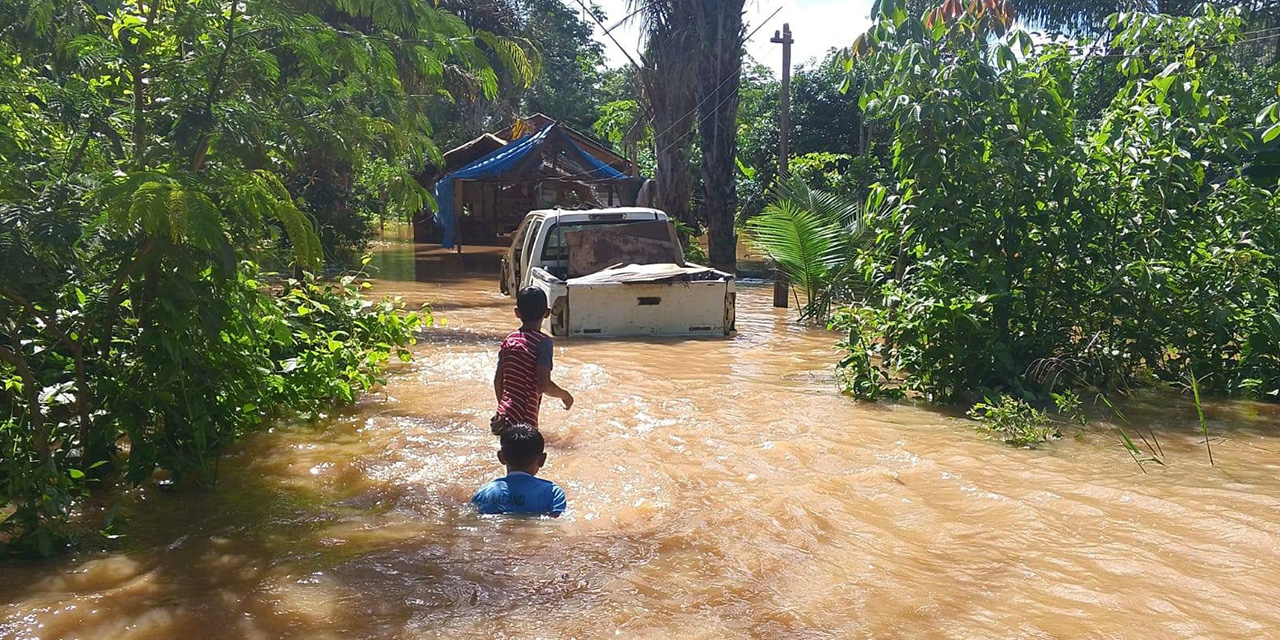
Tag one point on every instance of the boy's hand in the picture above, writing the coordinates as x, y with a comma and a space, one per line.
567, 399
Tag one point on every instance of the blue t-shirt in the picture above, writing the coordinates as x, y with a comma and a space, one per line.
520, 492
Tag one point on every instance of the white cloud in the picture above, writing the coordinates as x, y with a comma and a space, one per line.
816, 25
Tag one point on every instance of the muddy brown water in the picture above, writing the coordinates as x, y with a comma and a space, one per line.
718, 489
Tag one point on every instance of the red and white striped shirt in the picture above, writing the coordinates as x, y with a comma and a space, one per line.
519, 358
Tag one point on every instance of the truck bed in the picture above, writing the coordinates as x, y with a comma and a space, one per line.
651, 299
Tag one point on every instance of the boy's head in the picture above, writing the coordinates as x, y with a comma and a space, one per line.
522, 449
531, 305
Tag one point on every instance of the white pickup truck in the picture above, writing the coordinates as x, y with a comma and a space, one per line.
617, 272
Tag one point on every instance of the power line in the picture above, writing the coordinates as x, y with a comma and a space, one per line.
628, 17
707, 97
718, 87
608, 33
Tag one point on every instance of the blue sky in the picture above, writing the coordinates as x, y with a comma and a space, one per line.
816, 25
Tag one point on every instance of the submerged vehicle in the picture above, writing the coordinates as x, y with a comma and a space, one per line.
617, 272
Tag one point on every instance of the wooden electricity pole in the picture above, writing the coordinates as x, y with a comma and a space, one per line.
780, 284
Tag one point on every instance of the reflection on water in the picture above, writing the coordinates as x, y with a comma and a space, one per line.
718, 489
430, 263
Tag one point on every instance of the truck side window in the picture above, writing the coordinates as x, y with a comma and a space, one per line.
530, 239
519, 246
553, 248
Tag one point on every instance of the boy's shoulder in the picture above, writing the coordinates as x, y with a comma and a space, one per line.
525, 338
497, 485
520, 493
526, 480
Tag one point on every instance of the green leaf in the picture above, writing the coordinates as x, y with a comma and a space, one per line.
1271, 132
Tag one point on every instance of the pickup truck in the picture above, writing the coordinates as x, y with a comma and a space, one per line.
617, 272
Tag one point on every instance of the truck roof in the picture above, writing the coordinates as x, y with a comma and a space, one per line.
626, 213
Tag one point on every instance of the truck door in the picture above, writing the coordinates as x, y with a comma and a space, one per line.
526, 252
517, 256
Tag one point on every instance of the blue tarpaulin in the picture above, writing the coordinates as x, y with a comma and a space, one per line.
506, 159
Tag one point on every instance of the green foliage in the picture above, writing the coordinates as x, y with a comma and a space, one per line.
621, 123
560, 75
566, 88
758, 137
233, 352
1039, 247
1068, 405
811, 236
1014, 422
859, 374
147, 151
693, 250
851, 176
826, 145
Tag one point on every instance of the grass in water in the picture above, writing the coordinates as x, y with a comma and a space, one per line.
1156, 453
1204, 424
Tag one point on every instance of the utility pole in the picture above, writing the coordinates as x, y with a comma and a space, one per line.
780, 284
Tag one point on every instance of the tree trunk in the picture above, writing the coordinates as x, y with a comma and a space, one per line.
675, 171
672, 104
720, 29
667, 82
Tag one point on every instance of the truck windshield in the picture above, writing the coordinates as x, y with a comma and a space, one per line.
556, 249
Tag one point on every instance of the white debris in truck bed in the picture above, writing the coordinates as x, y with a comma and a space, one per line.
659, 272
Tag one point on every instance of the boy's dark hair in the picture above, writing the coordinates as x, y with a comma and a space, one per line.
531, 302
521, 444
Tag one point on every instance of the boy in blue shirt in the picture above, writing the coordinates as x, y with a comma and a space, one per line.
519, 491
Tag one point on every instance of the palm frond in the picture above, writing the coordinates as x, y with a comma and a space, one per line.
812, 237
804, 246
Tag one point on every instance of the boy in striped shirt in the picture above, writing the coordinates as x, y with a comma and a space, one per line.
524, 366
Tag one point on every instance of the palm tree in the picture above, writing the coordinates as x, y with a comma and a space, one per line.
812, 236
665, 77
719, 29
696, 51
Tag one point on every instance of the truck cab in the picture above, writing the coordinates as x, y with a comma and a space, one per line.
614, 272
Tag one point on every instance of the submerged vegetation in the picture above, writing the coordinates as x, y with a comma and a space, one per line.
147, 156
1061, 218
1014, 421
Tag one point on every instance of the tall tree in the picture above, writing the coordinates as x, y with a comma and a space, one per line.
719, 28
668, 71
568, 87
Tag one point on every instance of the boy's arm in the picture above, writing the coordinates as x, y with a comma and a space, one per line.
497, 379
548, 387
545, 384
559, 504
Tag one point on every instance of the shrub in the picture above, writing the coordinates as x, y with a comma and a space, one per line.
1014, 421
1035, 248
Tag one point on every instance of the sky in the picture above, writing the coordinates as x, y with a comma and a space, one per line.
816, 26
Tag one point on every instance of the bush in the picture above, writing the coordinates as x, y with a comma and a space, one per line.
173, 398
147, 153
1014, 422
1035, 248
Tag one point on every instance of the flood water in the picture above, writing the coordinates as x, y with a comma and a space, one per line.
718, 488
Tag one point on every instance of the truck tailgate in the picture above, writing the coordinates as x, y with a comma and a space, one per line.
650, 308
